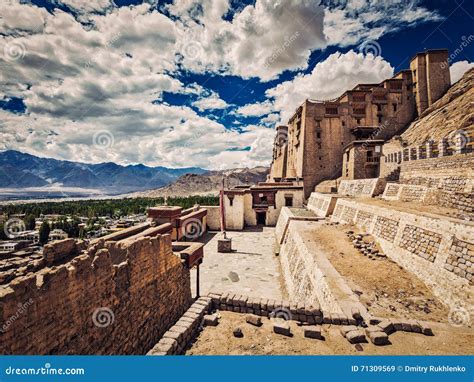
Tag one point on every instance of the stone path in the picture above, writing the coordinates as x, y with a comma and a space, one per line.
252, 269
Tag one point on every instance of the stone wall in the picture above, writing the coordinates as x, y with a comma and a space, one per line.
362, 187
322, 204
113, 298
438, 250
449, 178
406, 192
309, 276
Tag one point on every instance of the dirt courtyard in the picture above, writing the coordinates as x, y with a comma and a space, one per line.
219, 340
384, 288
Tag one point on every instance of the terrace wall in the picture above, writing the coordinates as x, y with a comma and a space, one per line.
439, 250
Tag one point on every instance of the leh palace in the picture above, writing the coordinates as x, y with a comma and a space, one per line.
361, 241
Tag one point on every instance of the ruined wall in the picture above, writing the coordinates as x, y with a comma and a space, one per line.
439, 250
114, 298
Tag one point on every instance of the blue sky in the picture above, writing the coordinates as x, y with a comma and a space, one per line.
198, 82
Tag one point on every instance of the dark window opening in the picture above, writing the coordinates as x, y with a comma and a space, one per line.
379, 107
380, 118
358, 120
318, 135
394, 107
288, 201
320, 158
263, 199
231, 200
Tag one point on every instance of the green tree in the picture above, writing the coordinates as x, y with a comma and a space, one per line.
29, 222
44, 233
3, 236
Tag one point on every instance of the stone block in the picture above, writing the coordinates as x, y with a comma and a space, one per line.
386, 326
378, 338
426, 329
237, 332
253, 319
356, 336
224, 245
313, 332
415, 326
282, 328
211, 320
346, 329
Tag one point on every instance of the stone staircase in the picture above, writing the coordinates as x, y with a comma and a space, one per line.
394, 176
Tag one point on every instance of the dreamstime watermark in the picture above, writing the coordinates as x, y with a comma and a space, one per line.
22, 308
103, 317
192, 228
103, 139
14, 227
44, 370
281, 313
466, 41
458, 139
14, 50
459, 316
370, 47
282, 49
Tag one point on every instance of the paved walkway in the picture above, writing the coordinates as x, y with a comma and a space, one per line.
252, 269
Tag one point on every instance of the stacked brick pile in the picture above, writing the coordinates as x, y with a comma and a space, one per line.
181, 334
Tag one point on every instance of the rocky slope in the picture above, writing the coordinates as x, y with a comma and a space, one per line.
209, 183
454, 111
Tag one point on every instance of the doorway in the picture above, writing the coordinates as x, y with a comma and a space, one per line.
261, 217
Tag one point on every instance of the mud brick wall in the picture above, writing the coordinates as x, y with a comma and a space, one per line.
438, 250
420, 242
461, 259
113, 298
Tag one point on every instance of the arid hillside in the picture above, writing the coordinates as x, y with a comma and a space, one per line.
209, 183
454, 111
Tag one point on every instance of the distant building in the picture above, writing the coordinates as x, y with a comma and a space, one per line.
312, 145
57, 234
260, 204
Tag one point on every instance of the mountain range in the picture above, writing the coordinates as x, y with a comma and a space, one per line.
209, 183
20, 170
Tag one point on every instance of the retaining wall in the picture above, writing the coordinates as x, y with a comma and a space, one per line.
310, 277
322, 204
362, 187
450, 180
439, 251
